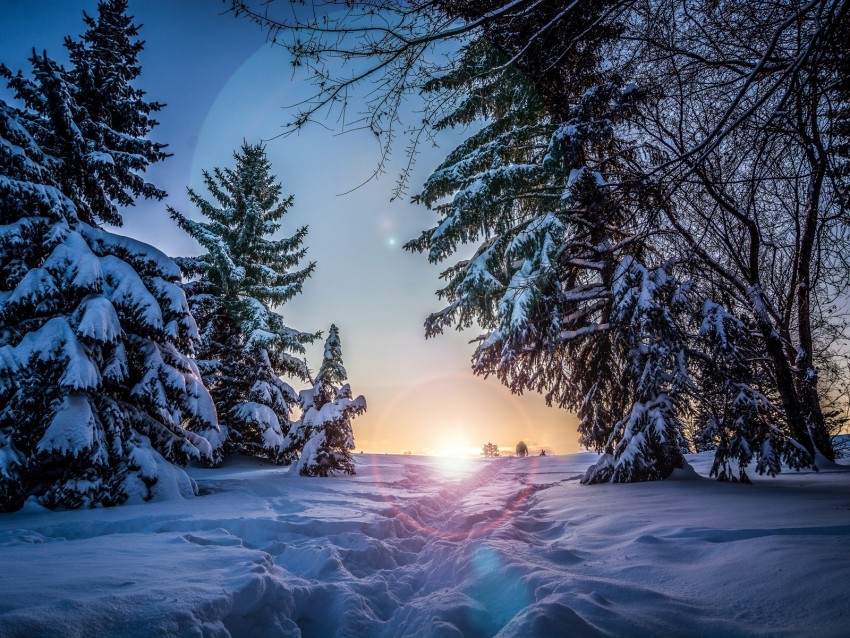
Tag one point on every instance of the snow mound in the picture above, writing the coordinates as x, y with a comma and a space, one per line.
416, 546
172, 482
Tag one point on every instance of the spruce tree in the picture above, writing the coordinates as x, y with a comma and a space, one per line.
97, 388
650, 313
234, 289
735, 416
552, 231
490, 450
104, 64
324, 432
91, 119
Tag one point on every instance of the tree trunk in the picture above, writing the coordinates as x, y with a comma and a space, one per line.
784, 377
807, 376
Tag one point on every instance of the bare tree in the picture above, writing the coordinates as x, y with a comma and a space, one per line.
741, 129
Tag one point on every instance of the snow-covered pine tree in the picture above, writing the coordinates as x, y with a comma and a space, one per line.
23, 172
104, 63
649, 313
98, 392
735, 416
233, 290
327, 407
552, 223
95, 123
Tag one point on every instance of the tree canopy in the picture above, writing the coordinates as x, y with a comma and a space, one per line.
658, 195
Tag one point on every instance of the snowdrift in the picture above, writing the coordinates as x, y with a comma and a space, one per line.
418, 546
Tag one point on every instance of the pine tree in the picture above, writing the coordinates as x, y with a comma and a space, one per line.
97, 389
324, 432
552, 230
104, 63
735, 416
91, 120
649, 314
243, 275
24, 173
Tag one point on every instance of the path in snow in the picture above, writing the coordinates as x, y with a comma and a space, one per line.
418, 546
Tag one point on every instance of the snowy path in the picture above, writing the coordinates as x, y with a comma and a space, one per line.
416, 546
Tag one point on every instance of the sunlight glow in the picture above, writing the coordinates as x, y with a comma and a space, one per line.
455, 467
458, 451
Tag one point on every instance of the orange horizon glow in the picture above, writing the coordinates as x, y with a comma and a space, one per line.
456, 452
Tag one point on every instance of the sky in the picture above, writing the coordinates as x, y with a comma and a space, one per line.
223, 83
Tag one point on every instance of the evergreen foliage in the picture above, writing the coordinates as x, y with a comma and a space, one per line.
324, 432
563, 282
648, 312
96, 386
90, 120
542, 281
735, 416
726, 167
490, 450
235, 287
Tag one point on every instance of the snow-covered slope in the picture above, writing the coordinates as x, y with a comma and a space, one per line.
417, 546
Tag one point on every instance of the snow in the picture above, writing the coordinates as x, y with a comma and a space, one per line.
9, 458
566, 335
519, 297
333, 411
172, 483
422, 546
264, 419
56, 341
126, 289
310, 451
36, 284
99, 320
145, 257
72, 429
74, 264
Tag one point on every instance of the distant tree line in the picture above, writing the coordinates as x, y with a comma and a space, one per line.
491, 450
658, 192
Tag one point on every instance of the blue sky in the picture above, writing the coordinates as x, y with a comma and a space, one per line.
222, 83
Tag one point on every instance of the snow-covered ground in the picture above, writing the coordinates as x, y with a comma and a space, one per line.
421, 546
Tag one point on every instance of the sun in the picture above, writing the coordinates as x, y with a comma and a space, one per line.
455, 459
458, 451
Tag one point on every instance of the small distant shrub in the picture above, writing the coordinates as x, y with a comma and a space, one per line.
490, 450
